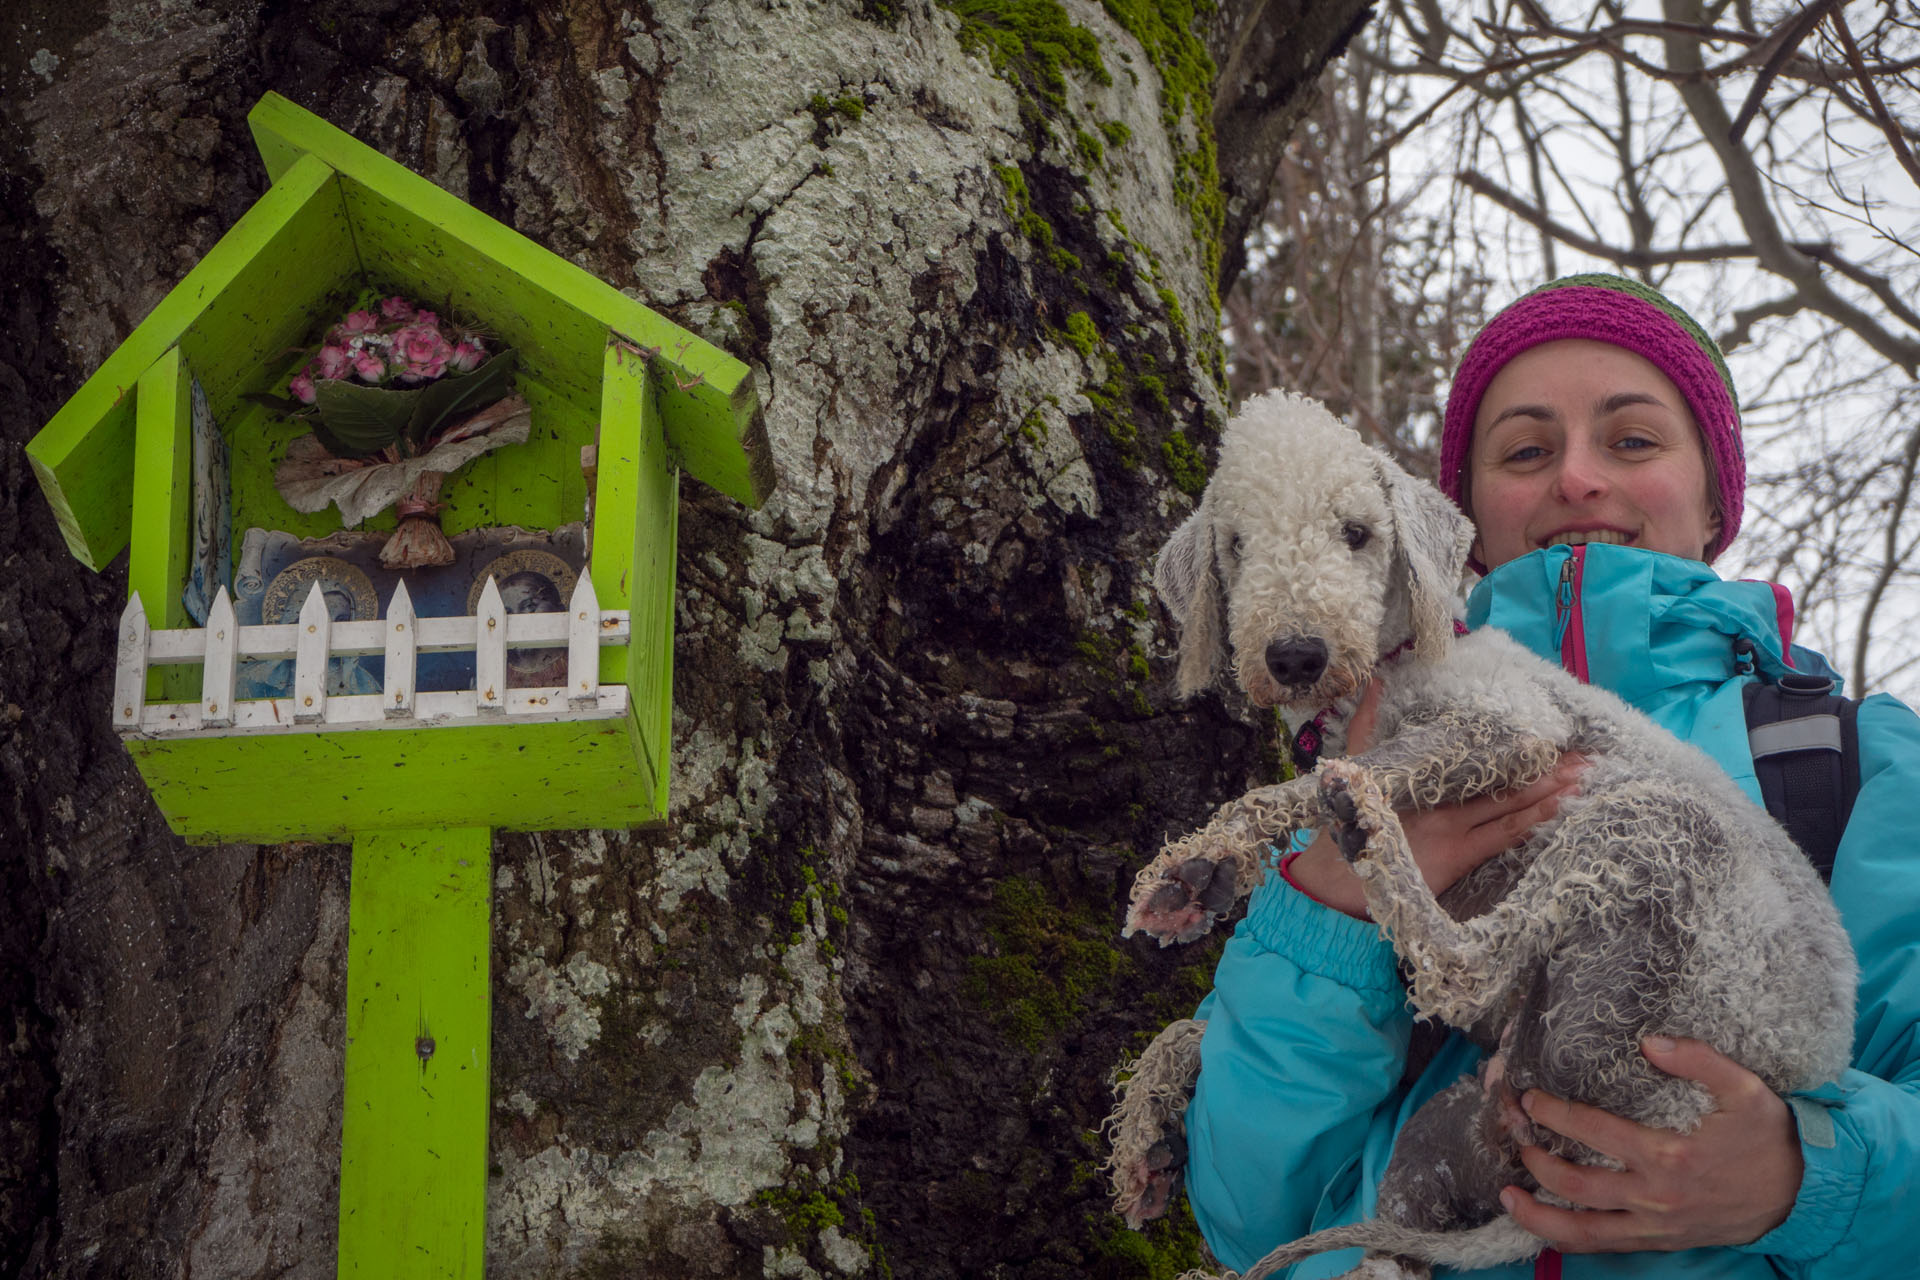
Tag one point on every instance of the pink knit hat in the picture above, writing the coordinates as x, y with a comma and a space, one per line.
1626, 314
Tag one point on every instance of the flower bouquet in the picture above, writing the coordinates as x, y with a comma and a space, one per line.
399, 398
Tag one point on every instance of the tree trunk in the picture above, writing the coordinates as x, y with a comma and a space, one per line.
859, 1002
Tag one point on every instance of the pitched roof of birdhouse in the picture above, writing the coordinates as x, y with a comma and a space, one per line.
255, 295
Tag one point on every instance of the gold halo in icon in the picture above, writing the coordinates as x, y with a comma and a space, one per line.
345, 586
530, 582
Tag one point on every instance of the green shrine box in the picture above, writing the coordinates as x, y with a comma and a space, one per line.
600, 371
271, 687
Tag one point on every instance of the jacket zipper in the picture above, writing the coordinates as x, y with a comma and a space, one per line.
1569, 628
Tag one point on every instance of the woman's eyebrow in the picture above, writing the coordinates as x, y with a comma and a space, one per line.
1624, 399
1538, 411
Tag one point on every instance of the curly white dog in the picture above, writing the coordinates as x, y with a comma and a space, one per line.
1659, 900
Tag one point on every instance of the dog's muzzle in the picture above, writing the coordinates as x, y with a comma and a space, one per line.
1295, 662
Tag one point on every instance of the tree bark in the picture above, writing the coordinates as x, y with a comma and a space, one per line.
856, 1006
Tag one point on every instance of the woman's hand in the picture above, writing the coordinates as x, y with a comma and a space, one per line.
1447, 842
1730, 1181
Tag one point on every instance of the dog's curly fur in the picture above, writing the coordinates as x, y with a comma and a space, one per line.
1659, 900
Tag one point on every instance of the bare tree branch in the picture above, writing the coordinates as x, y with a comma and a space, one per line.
1746, 186
1637, 259
1881, 115
1786, 38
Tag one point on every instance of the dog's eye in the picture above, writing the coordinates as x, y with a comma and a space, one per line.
1238, 547
1356, 534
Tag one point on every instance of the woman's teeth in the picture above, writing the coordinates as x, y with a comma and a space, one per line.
1611, 537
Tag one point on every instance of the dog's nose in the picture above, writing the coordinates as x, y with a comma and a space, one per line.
1297, 660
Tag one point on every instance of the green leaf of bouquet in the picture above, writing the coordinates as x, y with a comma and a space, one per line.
285, 406
361, 420
460, 394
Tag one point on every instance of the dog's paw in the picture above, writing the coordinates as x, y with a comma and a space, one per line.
1347, 823
1151, 1181
1185, 903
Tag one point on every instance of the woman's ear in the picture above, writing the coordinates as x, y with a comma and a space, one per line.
1431, 541
1185, 579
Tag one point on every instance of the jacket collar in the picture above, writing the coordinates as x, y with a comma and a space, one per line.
1658, 628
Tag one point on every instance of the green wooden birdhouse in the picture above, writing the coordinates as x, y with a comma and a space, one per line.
601, 374
282, 677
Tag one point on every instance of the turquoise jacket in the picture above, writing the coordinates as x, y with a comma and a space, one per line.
1299, 1097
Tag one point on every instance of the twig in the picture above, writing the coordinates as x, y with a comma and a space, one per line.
1788, 35
1640, 259
1881, 115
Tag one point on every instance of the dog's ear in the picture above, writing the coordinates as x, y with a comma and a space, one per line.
1431, 539
1185, 578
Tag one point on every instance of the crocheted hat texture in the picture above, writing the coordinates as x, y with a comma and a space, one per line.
1623, 313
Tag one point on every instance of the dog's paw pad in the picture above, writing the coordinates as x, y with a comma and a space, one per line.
1159, 1176
1186, 902
1210, 882
1350, 834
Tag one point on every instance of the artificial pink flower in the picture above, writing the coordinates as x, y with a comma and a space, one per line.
369, 366
360, 322
422, 350
332, 362
426, 319
302, 388
466, 357
396, 308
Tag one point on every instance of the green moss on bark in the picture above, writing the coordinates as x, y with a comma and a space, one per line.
1184, 463
1032, 41
1050, 960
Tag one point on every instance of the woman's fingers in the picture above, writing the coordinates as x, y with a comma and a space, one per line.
1501, 821
1452, 840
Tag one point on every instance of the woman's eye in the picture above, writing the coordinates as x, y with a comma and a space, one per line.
1356, 534
1526, 453
1637, 442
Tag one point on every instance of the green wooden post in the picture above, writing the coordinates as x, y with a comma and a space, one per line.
413, 1142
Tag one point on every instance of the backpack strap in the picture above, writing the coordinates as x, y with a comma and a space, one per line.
1806, 755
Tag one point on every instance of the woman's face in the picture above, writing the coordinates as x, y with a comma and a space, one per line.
1579, 441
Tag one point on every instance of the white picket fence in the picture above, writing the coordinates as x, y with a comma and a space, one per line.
316, 638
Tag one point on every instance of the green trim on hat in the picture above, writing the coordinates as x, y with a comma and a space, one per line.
1647, 293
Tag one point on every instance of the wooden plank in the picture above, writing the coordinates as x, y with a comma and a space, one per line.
284, 250
310, 652
353, 639
583, 644
413, 1142
402, 655
439, 247
638, 527
218, 669
366, 712
490, 649
617, 502
130, 666
162, 512
162, 517
509, 774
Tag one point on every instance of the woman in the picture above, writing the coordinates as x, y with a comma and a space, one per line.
1592, 435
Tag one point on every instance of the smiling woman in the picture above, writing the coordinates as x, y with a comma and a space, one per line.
1578, 441
1590, 428
1597, 366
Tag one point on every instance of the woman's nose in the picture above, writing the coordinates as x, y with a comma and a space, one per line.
1581, 475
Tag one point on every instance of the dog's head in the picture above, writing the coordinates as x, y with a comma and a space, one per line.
1320, 552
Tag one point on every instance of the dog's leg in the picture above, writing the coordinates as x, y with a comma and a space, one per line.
1454, 756
1462, 971
1147, 1129
1197, 879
